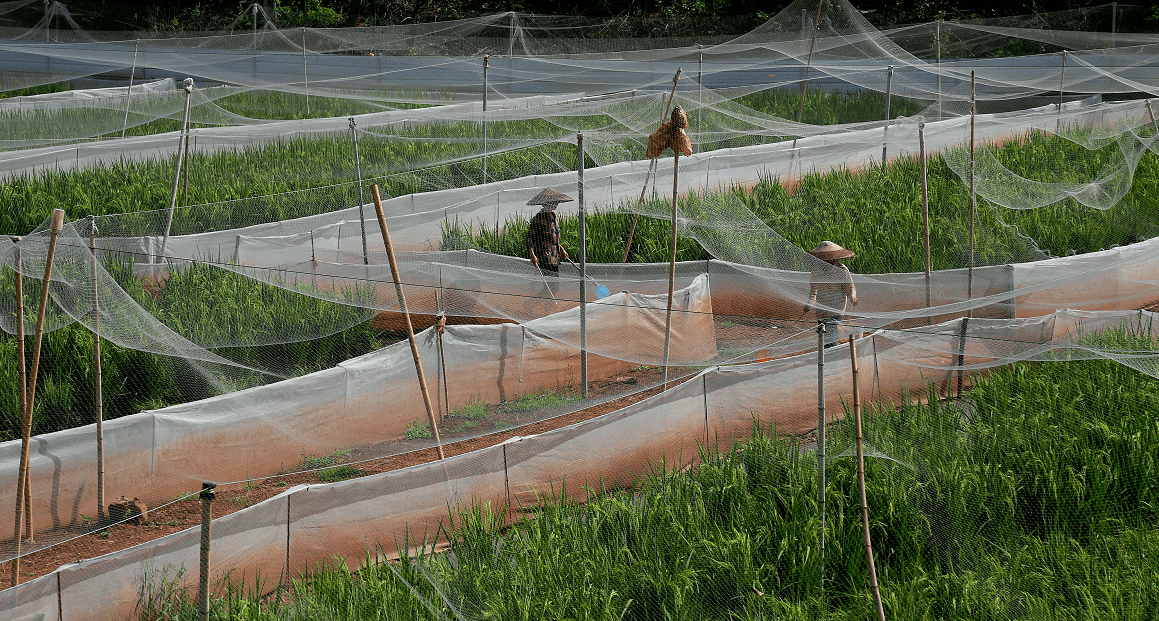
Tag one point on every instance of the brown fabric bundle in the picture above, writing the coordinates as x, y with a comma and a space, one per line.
670, 134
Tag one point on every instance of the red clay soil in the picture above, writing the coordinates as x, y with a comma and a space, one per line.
183, 514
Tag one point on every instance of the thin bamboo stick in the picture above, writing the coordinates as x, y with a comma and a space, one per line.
414, 348
129, 92
177, 170
925, 211
30, 401
100, 407
861, 484
821, 329
970, 267
651, 166
808, 65
23, 487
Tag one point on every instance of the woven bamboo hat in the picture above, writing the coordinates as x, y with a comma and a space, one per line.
549, 198
829, 251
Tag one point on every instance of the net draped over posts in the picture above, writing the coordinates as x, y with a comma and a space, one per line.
253, 330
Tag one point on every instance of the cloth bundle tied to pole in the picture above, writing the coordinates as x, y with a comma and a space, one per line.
651, 165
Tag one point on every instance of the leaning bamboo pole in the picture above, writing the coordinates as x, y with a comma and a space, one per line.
867, 542
410, 334
925, 212
30, 400
672, 259
970, 267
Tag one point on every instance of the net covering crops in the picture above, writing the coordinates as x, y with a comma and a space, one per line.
244, 302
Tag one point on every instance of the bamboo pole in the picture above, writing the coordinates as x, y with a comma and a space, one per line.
808, 65
440, 328
30, 401
305, 75
100, 407
888, 100
970, 267
861, 484
925, 211
207, 495
938, 48
129, 92
188, 161
651, 166
177, 170
23, 487
410, 335
672, 260
486, 65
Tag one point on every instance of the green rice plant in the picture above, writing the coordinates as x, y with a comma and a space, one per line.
341, 473
538, 400
418, 431
474, 409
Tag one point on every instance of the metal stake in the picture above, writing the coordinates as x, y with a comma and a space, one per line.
177, 170
925, 210
305, 75
821, 329
861, 484
888, 99
486, 64
207, 495
23, 484
414, 348
129, 93
699, 93
100, 407
361, 198
970, 268
583, 264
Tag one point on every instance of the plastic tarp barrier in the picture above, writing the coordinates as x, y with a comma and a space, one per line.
1123, 278
377, 514
35, 600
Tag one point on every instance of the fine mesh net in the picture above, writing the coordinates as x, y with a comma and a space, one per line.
222, 244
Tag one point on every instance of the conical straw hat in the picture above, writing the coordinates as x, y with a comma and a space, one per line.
829, 251
550, 197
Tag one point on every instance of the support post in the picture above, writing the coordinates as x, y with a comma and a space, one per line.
583, 264
1061, 82
129, 92
861, 484
410, 335
808, 65
361, 198
671, 262
207, 495
699, 95
486, 64
305, 75
254, 11
970, 267
925, 211
177, 169
1114, 29
821, 329
100, 402
23, 485
938, 61
888, 100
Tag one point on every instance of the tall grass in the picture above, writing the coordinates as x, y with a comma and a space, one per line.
1042, 503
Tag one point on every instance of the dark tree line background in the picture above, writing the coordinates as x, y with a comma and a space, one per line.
667, 17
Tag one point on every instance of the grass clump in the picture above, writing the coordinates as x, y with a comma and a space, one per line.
474, 409
539, 400
418, 431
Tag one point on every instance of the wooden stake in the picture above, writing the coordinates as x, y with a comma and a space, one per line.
207, 495
441, 327
821, 436
671, 261
651, 166
100, 407
861, 484
925, 211
30, 400
410, 335
22, 484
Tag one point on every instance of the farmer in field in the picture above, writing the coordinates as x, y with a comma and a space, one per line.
542, 238
831, 288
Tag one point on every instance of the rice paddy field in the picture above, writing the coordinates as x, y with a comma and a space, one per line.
1030, 499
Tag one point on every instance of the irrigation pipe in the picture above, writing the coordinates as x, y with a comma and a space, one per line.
23, 478
410, 334
861, 484
651, 166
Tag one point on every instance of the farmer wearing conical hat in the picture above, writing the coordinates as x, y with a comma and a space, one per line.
542, 237
831, 288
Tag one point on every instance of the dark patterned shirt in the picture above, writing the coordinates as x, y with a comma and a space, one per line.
543, 238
